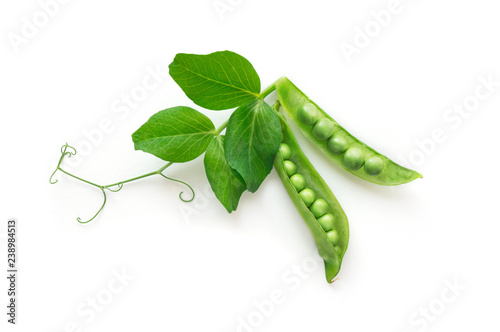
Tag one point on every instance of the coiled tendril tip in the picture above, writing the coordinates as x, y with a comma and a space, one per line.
97, 213
182, 192
119, 187
64, 152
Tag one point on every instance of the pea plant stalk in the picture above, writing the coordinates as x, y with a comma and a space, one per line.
68, 151
256, 139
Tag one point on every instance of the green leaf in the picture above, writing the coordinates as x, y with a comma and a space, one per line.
177, 134
216, 81
252, 140
226, 182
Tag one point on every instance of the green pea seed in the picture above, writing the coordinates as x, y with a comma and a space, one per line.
298, 181
285, 151
327, 222
337, 144
307, 114
338, 249
319, 207
333, 236
323, 129
308, 196
354, 158
374, 165
290, 168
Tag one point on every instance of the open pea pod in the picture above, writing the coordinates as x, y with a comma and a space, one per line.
341, 147
314, 201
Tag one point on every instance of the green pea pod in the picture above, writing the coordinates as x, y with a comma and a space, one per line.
301, 181
341, 147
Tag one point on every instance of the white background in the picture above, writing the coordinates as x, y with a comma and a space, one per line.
197, 268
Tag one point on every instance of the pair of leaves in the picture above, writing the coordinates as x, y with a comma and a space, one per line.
235, 163
244, 157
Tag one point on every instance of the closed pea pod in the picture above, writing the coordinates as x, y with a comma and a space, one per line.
316, 204
341, 147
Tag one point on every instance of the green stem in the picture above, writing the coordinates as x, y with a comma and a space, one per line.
267, 91
130, 180
76, 177
120, 182
140, 176
165, 167
221, 127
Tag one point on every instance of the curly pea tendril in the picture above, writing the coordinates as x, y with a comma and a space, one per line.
68, 151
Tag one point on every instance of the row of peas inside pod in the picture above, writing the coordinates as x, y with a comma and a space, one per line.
323, 129
317, 206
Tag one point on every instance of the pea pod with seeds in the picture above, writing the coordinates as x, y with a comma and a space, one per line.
314, 201
340, 146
